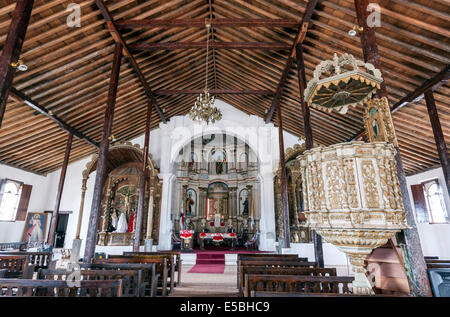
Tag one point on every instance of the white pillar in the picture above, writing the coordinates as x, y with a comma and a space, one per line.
165, 228
267, 209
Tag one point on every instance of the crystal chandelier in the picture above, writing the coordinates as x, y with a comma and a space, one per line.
203, 108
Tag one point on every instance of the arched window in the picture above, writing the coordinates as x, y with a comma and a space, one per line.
435, 201
10, 200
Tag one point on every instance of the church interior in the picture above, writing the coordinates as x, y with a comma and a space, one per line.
231, 148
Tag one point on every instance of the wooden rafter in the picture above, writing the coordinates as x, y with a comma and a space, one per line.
200, 23
20, 96
301, 34
118, 38
213, 91
213, 45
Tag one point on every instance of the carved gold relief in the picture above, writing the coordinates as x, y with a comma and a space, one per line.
378, 121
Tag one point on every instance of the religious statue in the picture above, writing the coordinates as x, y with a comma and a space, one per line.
131, 222
122, 225
245, 203
189, 203
114, 219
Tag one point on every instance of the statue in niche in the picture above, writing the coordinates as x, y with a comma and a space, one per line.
190, 202
122, 225
245, 211
131, 223
244, 202
114, 220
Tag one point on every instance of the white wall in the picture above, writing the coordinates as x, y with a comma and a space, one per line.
13, 231
435, 238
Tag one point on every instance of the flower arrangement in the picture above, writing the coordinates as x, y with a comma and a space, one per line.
232, 235
218, 238
202, 235
186, 234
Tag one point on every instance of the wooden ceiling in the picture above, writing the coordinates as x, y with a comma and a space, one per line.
69, 68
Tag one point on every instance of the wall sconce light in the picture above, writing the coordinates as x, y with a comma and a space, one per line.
20, 65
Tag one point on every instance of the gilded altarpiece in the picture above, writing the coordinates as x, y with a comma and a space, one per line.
299, 229
120, 202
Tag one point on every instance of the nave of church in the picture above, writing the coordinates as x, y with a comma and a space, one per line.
224, 148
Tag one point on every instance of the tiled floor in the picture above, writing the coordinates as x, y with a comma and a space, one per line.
213, 285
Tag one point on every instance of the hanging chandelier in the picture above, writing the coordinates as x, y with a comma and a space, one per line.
203, 109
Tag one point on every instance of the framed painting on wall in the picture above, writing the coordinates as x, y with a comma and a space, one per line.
35, 227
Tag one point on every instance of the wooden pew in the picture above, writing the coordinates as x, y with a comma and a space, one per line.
297, 284
270, 262
21, 246
41, 260
131, 279
16, 266
27, 287
147, 275
262, 270
176, 254
262, 256
170, 264
161, 266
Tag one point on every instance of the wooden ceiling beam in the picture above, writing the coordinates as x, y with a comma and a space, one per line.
200, 23
213, 91
213, 45
298, 40
20, 96
126, 52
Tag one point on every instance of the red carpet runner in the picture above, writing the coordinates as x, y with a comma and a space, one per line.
209, 263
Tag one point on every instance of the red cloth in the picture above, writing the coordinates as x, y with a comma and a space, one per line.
130, 224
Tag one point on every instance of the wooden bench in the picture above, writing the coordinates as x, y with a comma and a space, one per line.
16, 266
170, 264
262, 256
175, 254
437, 264
41, 260
27, 287
148, 278
260, 270
131, 279
161, 266
271, 262
297, 284
21, 246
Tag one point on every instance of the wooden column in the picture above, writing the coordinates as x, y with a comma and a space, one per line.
438, 136
318, 249
91, 239
284, 189
141, 199
80, 212
416, 268
12, 49
62, 178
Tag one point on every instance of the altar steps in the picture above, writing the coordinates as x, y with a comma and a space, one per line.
210, 258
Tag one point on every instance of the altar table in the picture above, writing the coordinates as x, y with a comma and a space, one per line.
218, 237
